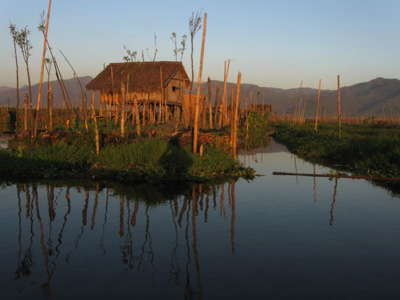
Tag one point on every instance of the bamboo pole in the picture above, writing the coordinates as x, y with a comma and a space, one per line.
210, 103
236, 115
137, 116
50, 108
316, 115
26, 112
216, 106
196, 116
96, 128
123, 95
224, 115
160, 118
339, 121
298, 101
41, 72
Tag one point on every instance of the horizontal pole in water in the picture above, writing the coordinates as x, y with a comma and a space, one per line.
334, 176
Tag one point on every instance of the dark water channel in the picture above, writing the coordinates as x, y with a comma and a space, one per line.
277, 237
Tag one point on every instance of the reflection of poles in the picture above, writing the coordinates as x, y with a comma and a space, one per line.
174, 269
185, 203
62, 230
222, 207
84, 218
127, 249
135, 211
121, 216
46, 259
17, 273
147, 238
104, 224
188, 294
333, 202
96, 200
233, 216
207, 205
194, 244
315, 187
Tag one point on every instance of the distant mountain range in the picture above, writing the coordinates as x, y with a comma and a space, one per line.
364, 99
373, 98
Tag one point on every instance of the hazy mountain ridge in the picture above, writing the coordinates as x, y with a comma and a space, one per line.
362, 99
9, 94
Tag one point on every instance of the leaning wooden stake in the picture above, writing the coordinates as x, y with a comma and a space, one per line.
339, 121
41, 72
316, 116
196, 115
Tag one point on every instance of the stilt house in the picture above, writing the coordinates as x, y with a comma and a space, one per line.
151, 83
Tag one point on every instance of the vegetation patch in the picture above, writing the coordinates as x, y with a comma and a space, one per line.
362, 149
146, 160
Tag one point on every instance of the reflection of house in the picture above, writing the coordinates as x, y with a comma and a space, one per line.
145, 82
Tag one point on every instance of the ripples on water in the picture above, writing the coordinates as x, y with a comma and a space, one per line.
274, 237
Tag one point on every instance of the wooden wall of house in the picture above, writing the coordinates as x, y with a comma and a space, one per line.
175, 89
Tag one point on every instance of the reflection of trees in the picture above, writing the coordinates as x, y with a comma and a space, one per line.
188, 212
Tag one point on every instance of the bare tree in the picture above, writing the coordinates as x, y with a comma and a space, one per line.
131, 55
14, 35
26, 47
177, 50
194, 27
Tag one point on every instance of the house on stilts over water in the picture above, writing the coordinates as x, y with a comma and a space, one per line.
151, 84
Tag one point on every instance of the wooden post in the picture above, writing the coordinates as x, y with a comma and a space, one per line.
50, 108
298, 101
196, 115
41, 72
137, 116
339, 121
26, 113
236, 115
216, 106
210, 103
160, 117
316, 115
123, 95
224, 115
231, 119
96, 128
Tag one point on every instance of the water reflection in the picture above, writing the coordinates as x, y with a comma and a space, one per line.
57, 222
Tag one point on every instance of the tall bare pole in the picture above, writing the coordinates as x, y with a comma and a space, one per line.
316, 116
298, 102
42, 70
338, 95
210, 103
196, 114
235, 123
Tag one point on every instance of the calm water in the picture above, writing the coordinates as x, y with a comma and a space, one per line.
277, 237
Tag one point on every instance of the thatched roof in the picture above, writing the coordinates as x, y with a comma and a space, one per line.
143, 76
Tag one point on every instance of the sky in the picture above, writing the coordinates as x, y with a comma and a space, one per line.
272, 43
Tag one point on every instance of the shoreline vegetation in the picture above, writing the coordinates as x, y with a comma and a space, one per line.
365, 149
146, 160
160, 153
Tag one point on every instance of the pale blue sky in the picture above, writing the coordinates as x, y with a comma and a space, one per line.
273, 43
